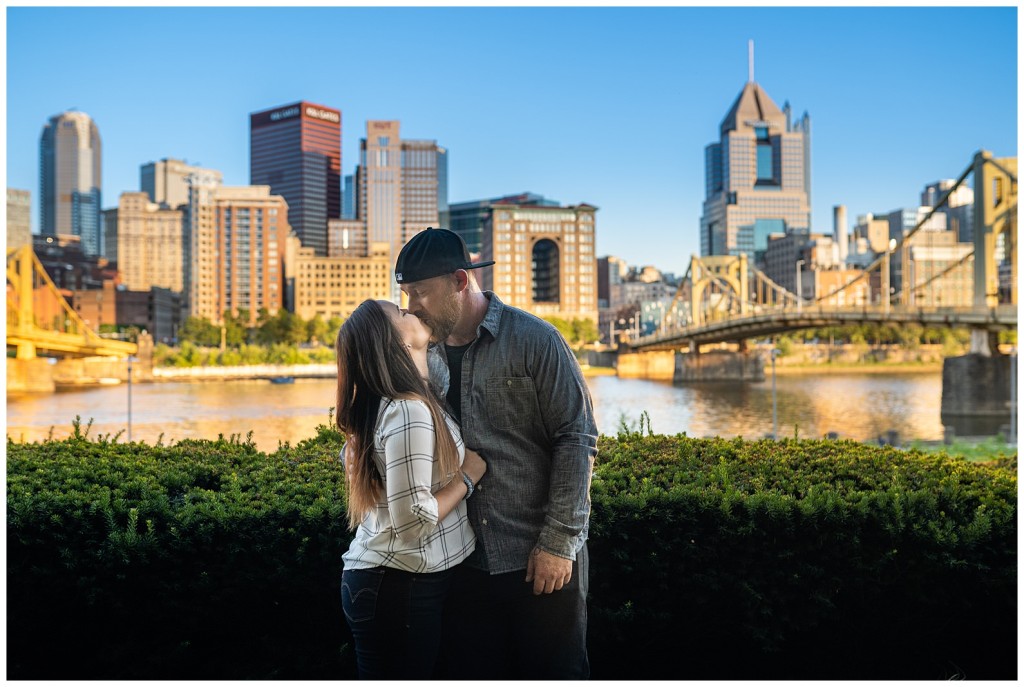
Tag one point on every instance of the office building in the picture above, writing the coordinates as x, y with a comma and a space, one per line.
958, 208
19, 218
96, 307
69, 267
295, 150
146, 240
237, 243
348, 198
758, 179
928, 257
611, 273
903, 221
335, 286
399, 185
347, 238
70, 179
157, 311
545, 261
469, 218
873, 229
167, 182
780, 260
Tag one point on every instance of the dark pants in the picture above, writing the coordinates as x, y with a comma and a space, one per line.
395, 617
504, 632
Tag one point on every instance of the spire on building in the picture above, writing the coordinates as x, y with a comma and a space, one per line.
750, 61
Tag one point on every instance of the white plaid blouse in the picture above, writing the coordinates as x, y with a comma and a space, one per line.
402, 531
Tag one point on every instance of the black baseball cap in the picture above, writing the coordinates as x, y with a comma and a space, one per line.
431, 253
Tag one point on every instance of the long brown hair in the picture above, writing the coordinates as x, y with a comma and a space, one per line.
373, 363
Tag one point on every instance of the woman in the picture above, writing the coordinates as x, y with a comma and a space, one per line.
408, 477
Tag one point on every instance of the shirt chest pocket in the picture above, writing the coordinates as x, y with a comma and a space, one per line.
511, 402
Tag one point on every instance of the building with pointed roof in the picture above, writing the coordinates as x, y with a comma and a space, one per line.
758, 176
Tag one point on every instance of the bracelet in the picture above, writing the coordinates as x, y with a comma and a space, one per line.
469, 485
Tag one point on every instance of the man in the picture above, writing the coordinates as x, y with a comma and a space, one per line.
518, 608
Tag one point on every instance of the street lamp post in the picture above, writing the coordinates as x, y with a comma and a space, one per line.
131, 359
775, 405
799, 286
886, 267
1013, 397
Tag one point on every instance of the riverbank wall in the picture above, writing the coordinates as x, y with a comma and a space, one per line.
218, 373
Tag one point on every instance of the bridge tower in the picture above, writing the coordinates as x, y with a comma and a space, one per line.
978, 388
718, 271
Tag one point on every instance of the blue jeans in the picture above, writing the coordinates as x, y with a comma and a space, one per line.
505, 632
395, 618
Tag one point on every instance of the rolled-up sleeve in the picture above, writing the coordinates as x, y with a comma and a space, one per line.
407, 434
568, 414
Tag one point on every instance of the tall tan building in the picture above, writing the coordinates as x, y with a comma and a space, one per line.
167, 181
545, 261
401, 186
19, 218
334, 286
70, 171
237, 249
147, 243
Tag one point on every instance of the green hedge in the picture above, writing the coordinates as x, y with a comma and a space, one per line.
711, 559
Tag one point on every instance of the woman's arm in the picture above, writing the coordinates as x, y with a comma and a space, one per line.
409, 442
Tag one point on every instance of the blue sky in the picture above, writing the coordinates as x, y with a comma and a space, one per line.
611, 106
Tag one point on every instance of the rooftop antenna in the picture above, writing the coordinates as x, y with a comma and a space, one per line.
750, 60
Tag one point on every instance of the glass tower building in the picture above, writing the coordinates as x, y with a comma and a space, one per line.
758, 179
70, 179
296, 151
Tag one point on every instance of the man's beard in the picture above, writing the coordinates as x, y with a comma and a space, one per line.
442, 326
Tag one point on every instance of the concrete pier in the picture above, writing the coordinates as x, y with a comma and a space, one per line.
977, 393
719, 366
33, 376
660, 365
690, 368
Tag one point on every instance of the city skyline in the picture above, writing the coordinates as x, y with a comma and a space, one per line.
581, 105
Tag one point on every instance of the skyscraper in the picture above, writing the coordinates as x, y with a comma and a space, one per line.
400, 185
70, 179
758, 179
296, 151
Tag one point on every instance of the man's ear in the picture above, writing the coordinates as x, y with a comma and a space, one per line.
461, 280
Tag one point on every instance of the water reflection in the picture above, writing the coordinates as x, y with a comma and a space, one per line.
857, 406
861, 407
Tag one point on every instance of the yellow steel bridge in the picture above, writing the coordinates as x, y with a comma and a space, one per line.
40, 322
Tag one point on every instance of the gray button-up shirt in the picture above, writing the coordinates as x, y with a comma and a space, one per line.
527, 410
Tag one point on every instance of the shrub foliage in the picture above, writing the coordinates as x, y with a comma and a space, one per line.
710, 559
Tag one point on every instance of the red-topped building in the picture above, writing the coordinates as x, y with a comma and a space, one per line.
296, 150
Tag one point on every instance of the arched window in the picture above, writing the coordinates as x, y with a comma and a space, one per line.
546, 280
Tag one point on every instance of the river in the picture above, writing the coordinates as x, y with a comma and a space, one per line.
858, 406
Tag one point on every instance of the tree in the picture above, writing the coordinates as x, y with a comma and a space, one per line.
584, 331
564, 327
317, 330
236, 327
199, 331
